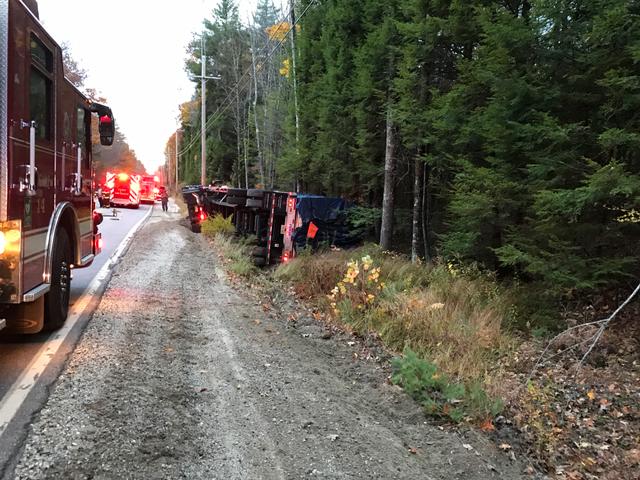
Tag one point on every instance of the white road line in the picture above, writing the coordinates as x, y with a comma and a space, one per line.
19, 391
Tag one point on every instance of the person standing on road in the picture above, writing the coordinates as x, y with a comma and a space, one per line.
164, 198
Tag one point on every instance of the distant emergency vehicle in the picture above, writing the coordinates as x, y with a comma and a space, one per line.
123, 189
148, 188
47, 220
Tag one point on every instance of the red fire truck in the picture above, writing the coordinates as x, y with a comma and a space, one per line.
148, 188
123, 189
47, 220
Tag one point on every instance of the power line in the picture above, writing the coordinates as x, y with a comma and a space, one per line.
227, 102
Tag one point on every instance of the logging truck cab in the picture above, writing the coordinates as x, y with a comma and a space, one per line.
47, 220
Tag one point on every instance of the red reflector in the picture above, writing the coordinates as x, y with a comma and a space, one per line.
105, 119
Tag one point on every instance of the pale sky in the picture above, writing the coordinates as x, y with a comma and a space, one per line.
133, 52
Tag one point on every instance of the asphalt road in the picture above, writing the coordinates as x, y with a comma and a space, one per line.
18, 353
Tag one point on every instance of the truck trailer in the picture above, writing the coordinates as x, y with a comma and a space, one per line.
48, 224
282, 223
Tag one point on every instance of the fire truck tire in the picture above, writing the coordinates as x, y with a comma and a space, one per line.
195, 228
255, 193
235, 200
254, 202
259, 252
56, 301
259, 261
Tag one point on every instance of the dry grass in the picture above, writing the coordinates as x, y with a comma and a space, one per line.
236, 253
455, 319
459, 327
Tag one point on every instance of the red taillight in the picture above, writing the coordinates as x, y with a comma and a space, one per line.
285, 257
202, 216
100, 244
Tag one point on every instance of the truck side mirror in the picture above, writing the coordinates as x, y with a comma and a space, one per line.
106, 127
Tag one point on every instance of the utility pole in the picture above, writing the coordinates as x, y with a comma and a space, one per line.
203, 113
292, 13
177, 150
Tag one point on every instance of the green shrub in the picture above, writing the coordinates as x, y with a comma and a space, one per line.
438, 394
218, 224
237, 253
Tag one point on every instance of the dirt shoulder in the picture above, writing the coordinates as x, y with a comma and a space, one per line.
181, 374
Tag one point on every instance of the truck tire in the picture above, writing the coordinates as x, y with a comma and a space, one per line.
233, 200
255, 193
195, 228
254, 202
237, 192
259, 252
259, 261
56, 301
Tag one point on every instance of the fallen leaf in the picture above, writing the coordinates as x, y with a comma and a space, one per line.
504, 447
591, 395
413, 450
467, 446
257, 322
487, 426
633, 456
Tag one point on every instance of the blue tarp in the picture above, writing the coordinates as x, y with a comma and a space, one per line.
311, 207
328, 214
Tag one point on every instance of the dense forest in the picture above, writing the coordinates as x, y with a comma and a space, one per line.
504, 133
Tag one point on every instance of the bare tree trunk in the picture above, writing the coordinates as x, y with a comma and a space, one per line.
238, 141
417, 190
388, 197
255, 112
426, 211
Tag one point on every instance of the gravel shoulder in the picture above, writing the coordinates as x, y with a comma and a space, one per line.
181, 374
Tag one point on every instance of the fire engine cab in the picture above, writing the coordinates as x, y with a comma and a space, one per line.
47, 220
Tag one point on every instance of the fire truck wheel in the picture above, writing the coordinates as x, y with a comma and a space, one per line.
56, 302
254, 202
259, 252
259, 261
195, 228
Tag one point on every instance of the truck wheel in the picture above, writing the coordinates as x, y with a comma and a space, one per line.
255, 193
254, 202
237, 192
56, 302
235, 200
259, 252
195, 228
259, 261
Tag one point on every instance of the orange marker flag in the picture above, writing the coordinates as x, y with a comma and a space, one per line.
311, 232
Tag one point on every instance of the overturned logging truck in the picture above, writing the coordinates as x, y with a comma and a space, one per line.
281, 222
